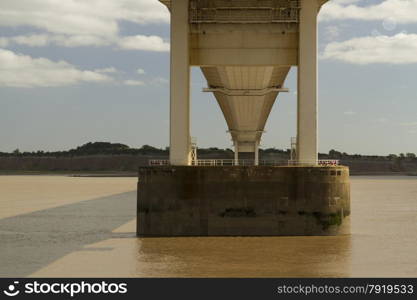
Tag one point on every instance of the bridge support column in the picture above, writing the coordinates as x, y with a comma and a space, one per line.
307, 84
236, 153
256, 154
180, 149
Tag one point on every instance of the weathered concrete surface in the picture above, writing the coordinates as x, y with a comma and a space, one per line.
243, 201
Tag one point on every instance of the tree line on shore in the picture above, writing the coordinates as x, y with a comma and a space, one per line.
109, 149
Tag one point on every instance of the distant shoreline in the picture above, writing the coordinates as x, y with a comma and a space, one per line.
113, 159
71, 173
134, 174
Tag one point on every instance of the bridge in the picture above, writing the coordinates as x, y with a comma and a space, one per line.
245, 49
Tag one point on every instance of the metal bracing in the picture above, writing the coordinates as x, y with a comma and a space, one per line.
245, 131
245, 92
244, 11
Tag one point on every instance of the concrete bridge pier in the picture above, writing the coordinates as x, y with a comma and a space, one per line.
243, 201
245, 50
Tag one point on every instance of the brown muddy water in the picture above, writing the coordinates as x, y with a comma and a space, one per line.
58, 226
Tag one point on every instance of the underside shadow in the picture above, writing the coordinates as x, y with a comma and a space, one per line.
31, 241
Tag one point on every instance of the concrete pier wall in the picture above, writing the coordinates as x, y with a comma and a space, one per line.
243, 201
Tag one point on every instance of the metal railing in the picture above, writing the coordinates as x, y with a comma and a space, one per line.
328, 162
247, 162
320, 162
158, 162
224, 162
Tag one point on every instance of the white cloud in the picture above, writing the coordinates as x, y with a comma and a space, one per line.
19, 70
349, 113
381, 120
159, 81
106, 70
4, 42
140, 71
134, 82
138, 42
397, 49
80, 17
35, 40
409, 124
331, 32
74, 23
143, 42
79, 40
400, 11
345, 1
41, 40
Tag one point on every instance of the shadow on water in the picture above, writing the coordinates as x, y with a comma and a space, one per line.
31, 241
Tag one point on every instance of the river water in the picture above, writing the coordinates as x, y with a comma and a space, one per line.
73, 227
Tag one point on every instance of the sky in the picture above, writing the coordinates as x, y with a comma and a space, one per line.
76, 71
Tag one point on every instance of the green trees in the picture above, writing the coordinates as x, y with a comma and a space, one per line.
107, 148
410, 156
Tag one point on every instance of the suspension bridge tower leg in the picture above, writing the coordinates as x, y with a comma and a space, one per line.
307, 84
180, 149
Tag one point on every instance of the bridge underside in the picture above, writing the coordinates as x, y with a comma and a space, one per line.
245, 49
246, 96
